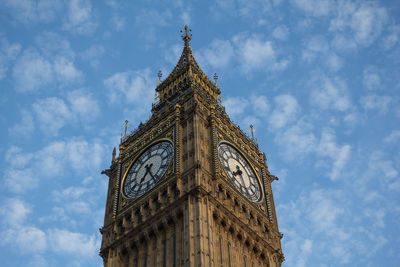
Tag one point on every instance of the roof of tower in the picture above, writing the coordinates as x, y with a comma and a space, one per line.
186, 59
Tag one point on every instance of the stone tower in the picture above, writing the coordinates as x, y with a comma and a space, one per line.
188, 187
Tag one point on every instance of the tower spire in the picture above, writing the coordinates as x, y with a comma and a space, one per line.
186, 36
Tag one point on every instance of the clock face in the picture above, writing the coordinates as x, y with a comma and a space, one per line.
239, 171
147, 169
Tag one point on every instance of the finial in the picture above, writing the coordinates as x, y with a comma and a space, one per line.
216, 79
159, 74
251, 130
126, 125
113, 155
186, 37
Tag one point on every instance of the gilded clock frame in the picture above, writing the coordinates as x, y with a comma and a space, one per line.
137, 156
223, 173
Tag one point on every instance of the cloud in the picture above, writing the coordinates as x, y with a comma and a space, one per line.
30, 239
20, 181
392, 38
93, 55
131, 87
54, 113
25, 127
281, 32
339, 155
371, 78
315, 8
57, 158
297, 141
65, 70
52, 63
235, 105
317, 50
82, 105
28, 11
218, 54
393, 137
80, 17
14, 212
32, 71
329, 93
257, 54
64, 241
8, 52
376, 103
365, 20
285, 111
150, 21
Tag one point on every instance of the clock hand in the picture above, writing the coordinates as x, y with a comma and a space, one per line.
148, 168
239, 172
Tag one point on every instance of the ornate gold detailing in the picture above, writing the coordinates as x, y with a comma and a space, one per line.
187, 36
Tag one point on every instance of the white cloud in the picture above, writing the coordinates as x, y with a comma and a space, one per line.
17, 158
339, 155
32, 71
52, 113
281, 32
218, 54
329, 93
367, 23
256, 54
393, 137
392, 38
28, 11
260, 104
366, 20
8, 52
82, 105
26, 238
185, 17
315, 7
318, 48
297, 141
54, 65
93, 55
20, 181
30, 239
65, 70
376, 103
64, 241
314, 46
80, 17
344, 42
131, 87
371, 78
379, 165
235, 105
53, 160
14, 212
285, 111
25, 127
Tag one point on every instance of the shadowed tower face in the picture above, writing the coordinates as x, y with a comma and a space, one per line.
188, 187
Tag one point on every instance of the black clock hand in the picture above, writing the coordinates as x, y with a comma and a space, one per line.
239, 172
148, 168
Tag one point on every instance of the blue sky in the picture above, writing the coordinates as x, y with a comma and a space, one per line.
320, 81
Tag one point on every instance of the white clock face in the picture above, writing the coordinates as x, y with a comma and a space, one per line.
147, 169
239, 171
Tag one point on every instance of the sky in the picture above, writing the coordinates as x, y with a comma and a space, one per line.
318, 79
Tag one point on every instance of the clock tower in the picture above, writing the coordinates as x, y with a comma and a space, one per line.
188, 187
